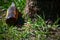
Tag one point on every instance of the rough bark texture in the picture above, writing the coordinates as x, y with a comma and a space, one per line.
32, 8
49, 8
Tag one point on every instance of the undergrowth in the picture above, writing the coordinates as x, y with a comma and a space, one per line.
38, 30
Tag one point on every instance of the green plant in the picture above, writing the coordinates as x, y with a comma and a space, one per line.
38, 30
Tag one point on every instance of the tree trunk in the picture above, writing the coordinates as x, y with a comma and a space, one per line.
49, 8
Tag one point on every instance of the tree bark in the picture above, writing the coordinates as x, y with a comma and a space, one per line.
49, 8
